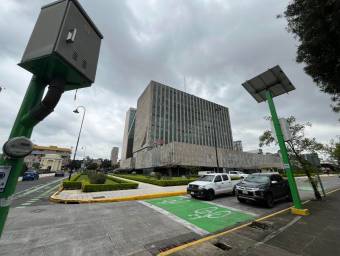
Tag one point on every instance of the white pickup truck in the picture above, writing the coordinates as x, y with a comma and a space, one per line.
212, 184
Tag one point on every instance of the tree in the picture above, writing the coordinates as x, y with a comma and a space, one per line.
298, 145
316, 25
334, 151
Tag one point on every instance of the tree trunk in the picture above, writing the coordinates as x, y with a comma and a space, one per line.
305, 167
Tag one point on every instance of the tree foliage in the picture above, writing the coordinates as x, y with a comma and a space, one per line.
316, 24
298, 145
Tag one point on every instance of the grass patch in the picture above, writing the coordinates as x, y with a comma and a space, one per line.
164, 182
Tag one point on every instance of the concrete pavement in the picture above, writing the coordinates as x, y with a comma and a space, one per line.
143, 191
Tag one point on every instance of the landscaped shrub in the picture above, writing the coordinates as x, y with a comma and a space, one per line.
75, 177
96, 178
72, 184
108, 187
163, 182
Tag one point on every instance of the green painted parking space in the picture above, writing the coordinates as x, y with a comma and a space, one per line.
209, 217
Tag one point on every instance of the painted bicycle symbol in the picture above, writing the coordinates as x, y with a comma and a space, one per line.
210, 213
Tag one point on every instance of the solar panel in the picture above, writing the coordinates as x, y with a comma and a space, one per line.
273, 80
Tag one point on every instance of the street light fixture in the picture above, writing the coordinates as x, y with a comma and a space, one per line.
81, 126
264, 87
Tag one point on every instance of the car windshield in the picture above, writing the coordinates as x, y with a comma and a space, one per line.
257, 178
207, 178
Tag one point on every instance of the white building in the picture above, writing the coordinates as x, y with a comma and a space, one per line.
51, 162
114, 155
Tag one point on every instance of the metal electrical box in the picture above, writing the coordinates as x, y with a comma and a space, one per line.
65, 43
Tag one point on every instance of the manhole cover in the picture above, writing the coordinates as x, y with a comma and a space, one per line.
260, 225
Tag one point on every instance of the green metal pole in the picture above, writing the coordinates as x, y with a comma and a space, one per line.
32, 97
283, 150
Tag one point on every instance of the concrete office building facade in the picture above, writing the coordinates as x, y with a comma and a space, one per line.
166, 115
174, 128
129, 130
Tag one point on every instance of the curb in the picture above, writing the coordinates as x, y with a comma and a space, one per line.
55, 199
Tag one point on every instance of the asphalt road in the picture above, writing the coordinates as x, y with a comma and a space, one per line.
37, 227
34, 193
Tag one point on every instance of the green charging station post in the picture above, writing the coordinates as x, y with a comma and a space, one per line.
264, 87
62, 53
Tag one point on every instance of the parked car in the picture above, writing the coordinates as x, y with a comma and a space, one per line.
263, 187
30, 175
210, 185
59, 174
237, 174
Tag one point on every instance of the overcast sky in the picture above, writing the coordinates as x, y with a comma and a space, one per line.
216, 45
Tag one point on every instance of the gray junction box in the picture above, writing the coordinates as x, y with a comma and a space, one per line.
64, 43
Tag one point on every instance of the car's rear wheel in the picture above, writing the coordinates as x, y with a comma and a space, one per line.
289, 197
210, 195
269, 201
241, 200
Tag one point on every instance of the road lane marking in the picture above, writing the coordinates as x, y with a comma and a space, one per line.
36, 189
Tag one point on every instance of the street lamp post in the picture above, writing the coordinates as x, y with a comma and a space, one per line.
81, 126
217, 109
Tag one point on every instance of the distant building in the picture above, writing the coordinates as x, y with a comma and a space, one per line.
114, 155
129, 131
312, 158
256, 151
171, 128
237, 145
51, 162
34, 159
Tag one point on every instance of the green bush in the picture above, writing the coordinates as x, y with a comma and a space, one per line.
72, 184
97, 178
75, 177
108, 187
164, 183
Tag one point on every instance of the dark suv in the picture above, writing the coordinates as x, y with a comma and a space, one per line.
263, 187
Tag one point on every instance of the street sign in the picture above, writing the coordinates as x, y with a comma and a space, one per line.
18, 147
4, 173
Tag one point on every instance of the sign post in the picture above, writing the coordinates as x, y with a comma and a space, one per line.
264, 87
63, 53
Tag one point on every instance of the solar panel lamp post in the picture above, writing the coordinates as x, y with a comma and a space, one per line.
264, 87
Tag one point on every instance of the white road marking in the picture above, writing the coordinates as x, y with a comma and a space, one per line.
36, 189
20, 207
188, 225
26, 204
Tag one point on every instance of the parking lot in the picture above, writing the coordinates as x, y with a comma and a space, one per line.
129, 228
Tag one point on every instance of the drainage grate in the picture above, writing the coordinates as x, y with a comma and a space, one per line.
222, 246
98, 197
259, 225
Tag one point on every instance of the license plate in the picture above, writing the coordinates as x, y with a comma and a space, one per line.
192, 193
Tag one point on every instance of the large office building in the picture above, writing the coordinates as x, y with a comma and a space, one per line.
114, 155
174, 128
129, 131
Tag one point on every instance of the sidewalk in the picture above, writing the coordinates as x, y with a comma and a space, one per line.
144, 191
281, 235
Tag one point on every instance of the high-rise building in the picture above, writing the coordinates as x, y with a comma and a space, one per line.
171, 129
114, 155
166, 115
237, 145
129, 131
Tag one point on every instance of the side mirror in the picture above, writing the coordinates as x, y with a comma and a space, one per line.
273, 181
